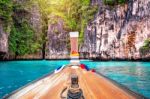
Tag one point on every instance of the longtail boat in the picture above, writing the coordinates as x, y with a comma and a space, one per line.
88, 84
74, 81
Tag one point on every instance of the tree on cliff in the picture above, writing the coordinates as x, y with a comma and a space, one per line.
145, 49
16, 15
114, 2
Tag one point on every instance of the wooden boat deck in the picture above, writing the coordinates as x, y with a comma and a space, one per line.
93, 85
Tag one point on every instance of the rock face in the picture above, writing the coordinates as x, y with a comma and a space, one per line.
36, 23
118, 32
3, 40
57, 41
35, 19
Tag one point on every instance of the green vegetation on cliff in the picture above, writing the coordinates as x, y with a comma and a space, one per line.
22, 36
146, 47
6, 13
16, 16
21, 39
75, 13
6, 10
114, 2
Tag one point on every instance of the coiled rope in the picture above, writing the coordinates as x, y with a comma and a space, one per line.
74, 92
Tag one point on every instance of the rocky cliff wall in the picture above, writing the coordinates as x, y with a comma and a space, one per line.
3, 39
57, 41
119, 31
33, 17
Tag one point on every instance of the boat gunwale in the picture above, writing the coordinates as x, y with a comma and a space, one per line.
119, 85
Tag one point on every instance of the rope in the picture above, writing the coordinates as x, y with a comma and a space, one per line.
61, 94
74, 92
76, 95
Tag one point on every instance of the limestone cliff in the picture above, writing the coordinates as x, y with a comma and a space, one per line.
20, 11
3, 41
57, 41
119, 31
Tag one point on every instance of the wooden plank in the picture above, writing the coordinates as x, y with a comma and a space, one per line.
101, 88
93, 85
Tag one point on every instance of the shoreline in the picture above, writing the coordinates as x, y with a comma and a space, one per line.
92, 59
132, 60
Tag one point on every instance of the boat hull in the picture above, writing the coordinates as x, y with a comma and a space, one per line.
93, 85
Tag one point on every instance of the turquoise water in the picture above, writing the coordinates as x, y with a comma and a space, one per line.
15, 74
134, 75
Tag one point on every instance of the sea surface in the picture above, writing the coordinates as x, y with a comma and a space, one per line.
134, 75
